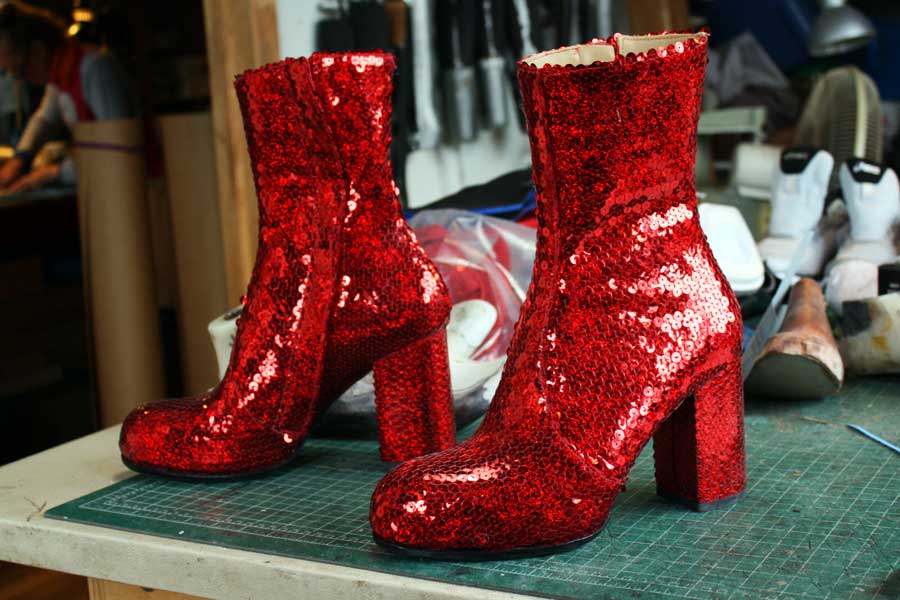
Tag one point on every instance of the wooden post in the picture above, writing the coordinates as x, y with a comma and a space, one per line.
649, 16
197, 236
240, 34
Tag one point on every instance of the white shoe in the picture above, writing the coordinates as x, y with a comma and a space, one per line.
798, 201
732, 245
850, 279
471, 321
872, 197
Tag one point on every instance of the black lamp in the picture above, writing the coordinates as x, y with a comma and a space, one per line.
839, 28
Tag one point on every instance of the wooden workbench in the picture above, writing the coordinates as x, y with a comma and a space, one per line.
120, 565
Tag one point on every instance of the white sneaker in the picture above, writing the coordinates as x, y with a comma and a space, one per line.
872, 196
798, 201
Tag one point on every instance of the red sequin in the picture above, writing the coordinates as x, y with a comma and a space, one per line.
628, 315
340, 284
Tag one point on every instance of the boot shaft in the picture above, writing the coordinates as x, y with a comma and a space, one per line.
355, 90
627, 309
388, 293
291, 152
279, 345
612, 125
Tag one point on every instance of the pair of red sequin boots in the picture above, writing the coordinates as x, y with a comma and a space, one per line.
629, 330
340, 287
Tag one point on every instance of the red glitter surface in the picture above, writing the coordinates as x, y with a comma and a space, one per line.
340, 285
627, 317
389, 294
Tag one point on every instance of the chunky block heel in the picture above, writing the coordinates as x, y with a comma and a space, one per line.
412, 400
699, 449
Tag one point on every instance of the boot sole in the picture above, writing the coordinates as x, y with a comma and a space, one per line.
486, 555
481, 555
198, 476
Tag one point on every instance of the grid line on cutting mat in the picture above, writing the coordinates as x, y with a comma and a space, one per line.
821, 518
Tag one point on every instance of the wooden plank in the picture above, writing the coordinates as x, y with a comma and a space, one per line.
240, 34
197, 236
18, 582
101, 589
650, 16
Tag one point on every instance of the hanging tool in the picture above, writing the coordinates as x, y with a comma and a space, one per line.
523, 18
334, 33
428, 127
519, 43
457, 20
371, 25
569, 23
398, 18
606, 17
493, 65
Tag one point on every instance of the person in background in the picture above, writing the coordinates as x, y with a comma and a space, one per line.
83, 82
18, 100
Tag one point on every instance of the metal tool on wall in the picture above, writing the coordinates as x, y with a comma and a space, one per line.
546, 19
403, 117
523, 20
606, 17
519, 43
334, 33
428, 126
457, 26
570, 22
492, 64
357, 25
371, 25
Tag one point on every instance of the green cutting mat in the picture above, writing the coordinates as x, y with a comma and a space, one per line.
821, 518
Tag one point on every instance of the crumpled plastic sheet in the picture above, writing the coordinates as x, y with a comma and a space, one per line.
481, 257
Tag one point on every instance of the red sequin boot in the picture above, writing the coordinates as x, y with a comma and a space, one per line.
340, 285
629, 329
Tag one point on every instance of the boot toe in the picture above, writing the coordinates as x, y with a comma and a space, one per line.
173, 437
490, 495
153, 435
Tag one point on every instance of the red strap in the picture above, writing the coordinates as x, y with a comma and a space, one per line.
65, 73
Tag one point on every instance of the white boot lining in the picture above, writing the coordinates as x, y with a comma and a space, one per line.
586, 54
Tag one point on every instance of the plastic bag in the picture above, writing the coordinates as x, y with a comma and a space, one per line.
483, 258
